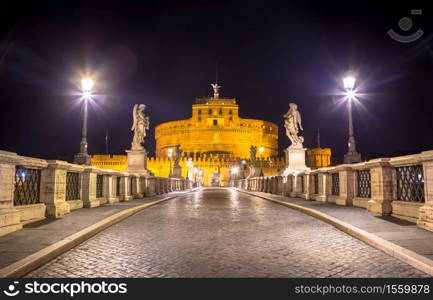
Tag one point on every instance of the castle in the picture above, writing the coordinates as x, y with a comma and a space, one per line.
216, 140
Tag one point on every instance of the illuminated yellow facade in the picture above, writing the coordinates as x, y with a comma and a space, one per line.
216, 128
215, 138
318, 157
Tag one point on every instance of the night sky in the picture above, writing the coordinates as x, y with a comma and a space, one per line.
163, 54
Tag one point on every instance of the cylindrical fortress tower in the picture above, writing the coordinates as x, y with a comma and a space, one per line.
216, 128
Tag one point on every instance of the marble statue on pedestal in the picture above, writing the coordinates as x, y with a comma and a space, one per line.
139, 126
177, 169
293, 123
295, 153
254, 171
137, 156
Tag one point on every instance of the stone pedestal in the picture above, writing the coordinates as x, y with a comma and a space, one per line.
177, 172
110, 189
425, 219
381, 187
346, 188
137, 162
89, 188
295, 160
124, 195
53, 189
9, 217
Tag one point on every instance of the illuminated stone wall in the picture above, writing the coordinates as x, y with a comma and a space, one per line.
318, 157
215, 137
215, 127
210, 165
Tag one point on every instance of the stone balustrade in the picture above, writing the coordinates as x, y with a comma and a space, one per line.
398, 186
34, 189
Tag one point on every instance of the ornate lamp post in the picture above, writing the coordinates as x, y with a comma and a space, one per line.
352, 155
261, 150
170, 155
83, 157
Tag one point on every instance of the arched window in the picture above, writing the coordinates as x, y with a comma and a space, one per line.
215, 122
210, 111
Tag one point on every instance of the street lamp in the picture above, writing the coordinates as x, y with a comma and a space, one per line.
352, 155
170, 155
83, 157
234, 172
261, 150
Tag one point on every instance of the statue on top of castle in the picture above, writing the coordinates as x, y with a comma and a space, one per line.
139, 126
293, 124
215, 87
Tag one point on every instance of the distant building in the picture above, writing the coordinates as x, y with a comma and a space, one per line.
318, 157
216, 139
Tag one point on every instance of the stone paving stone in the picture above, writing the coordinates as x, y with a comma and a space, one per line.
36, 236
223, 233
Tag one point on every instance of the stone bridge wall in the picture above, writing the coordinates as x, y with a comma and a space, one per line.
399, 186
34, 189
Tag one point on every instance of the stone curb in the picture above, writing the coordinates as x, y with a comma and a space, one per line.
37, 259
408, 256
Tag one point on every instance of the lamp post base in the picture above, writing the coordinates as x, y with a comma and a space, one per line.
352, 157
82, 159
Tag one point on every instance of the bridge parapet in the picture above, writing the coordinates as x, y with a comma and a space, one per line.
399, 186
33, 189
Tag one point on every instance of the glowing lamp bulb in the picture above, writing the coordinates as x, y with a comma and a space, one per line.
170, 152
349, 82
261, 150
87, 84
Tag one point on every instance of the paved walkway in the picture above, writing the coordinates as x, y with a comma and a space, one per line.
400, 232
216, 232
38, 235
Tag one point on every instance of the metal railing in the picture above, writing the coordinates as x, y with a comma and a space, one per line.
99, 185
335, 188
410, 183
363, 179
118, 186
72, 186
316, 183
27, 186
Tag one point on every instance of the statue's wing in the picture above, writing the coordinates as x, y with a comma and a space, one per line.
134, 116
300, 121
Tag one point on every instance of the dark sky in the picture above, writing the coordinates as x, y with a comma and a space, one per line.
163, 54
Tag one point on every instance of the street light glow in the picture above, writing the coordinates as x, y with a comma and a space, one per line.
349, 82
235, 170
350, 94
261, 150
87, 84
170, 152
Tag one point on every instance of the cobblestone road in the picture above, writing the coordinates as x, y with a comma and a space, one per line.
223, 233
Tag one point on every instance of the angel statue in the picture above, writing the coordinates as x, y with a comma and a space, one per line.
253, 153
178, 155
292, 123
215, 87
139, 126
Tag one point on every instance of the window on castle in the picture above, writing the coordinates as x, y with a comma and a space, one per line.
220, 111
230, 112
199, 119
210, 111
199, 111
215, 122
231, 119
